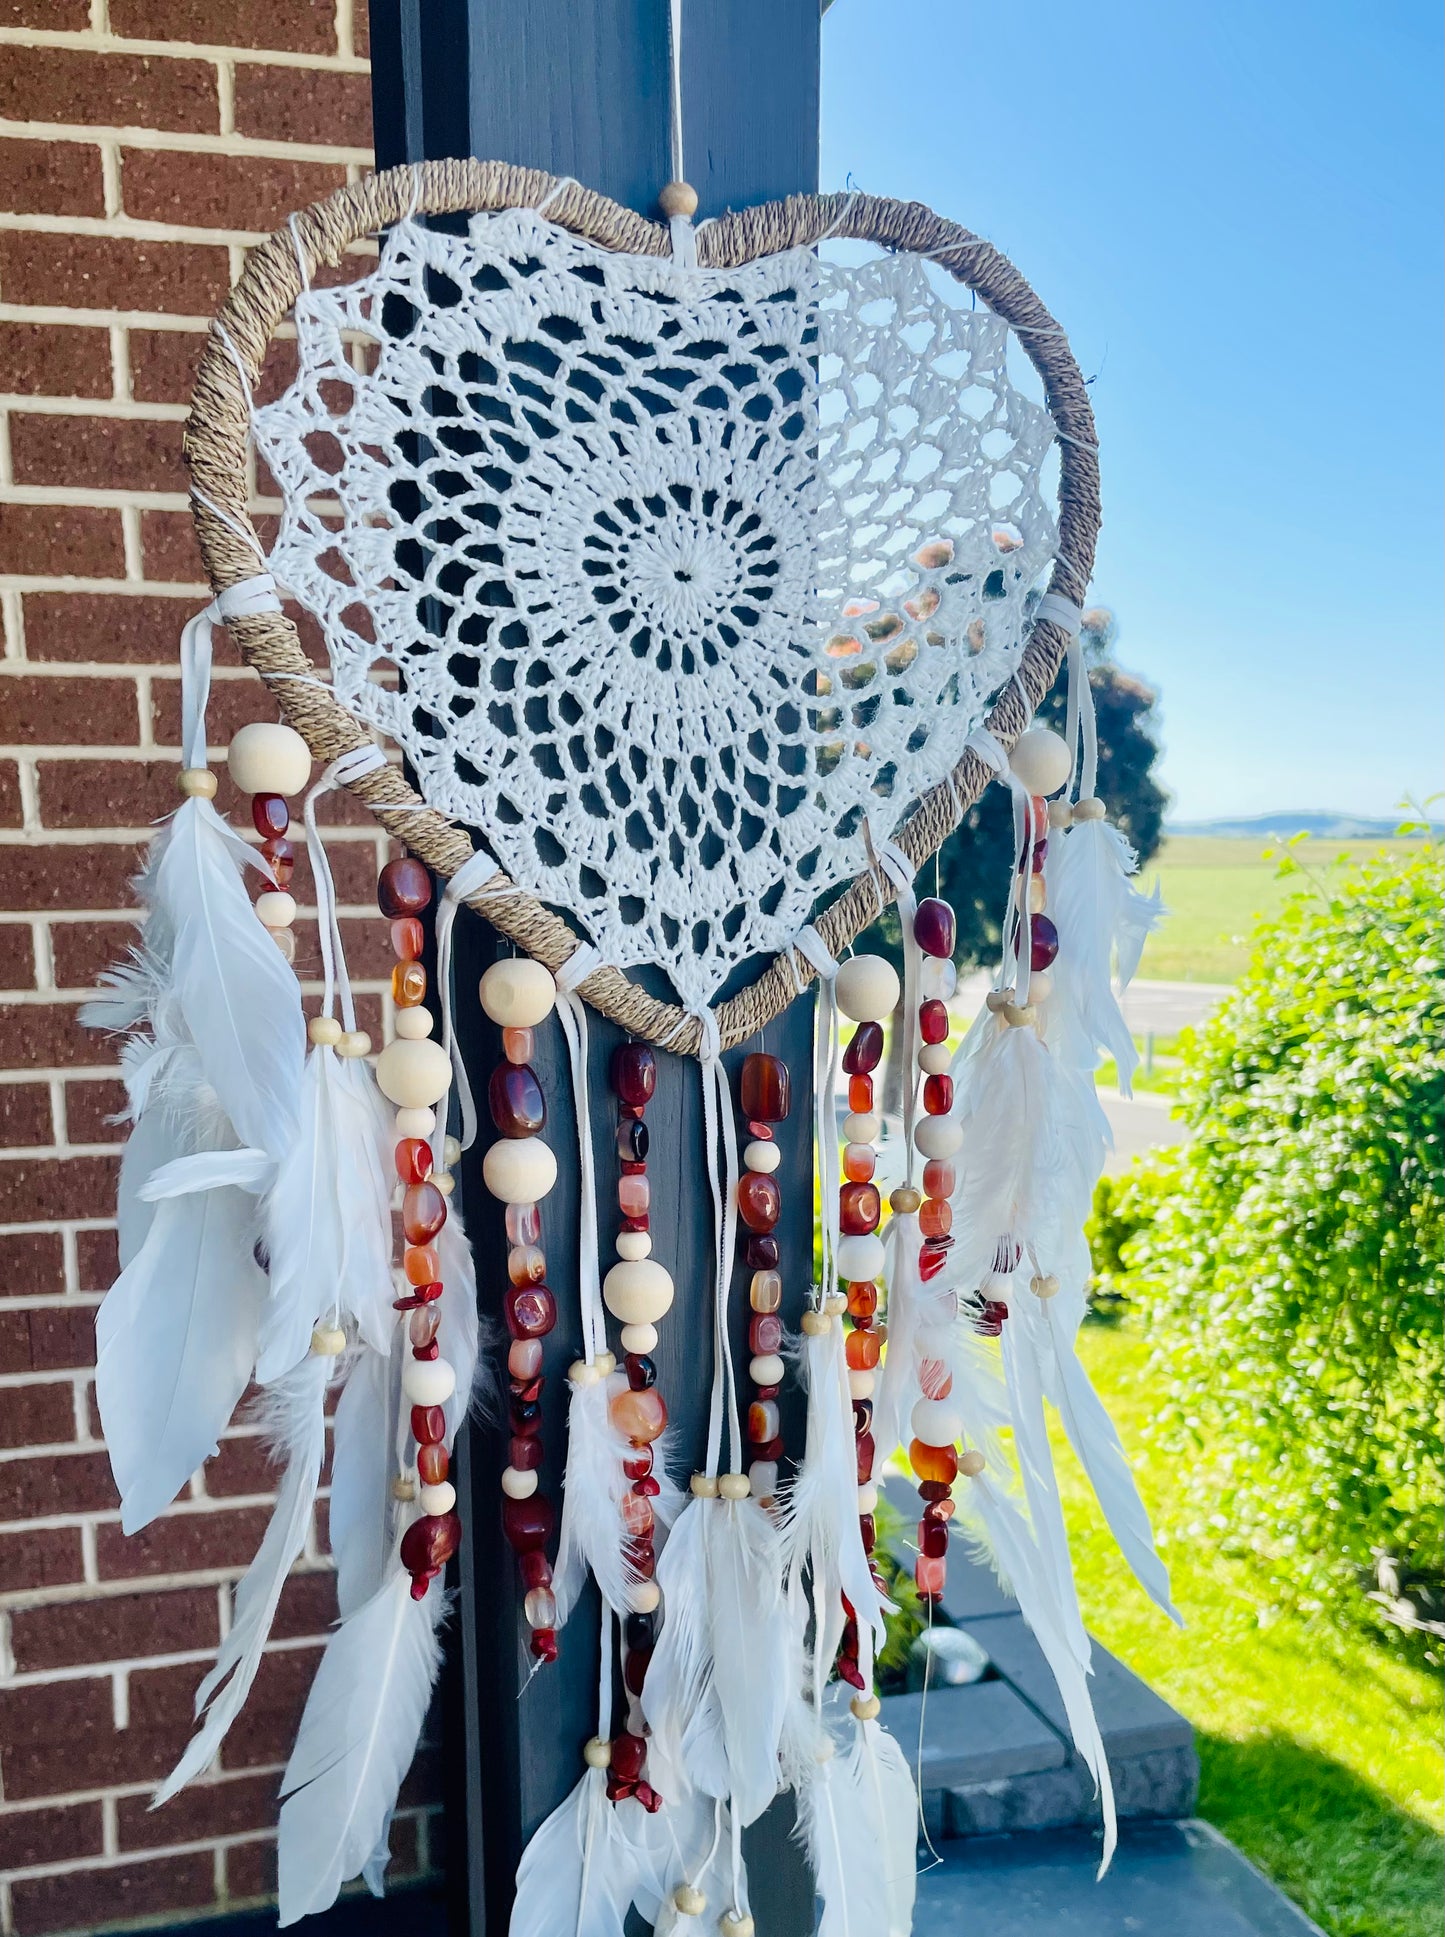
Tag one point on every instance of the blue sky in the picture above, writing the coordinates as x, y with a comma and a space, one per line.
1235, 211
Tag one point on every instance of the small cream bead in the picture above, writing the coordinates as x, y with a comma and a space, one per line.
403, 1487
1038, 901
451, 1152
638, 1291
867, 988
418, 1123
606, 1363
687, 1901
197, 783
860, 1257
518, 1482
862, 1126
269, 758
518, 1170
1020, 1016
937, 979
734, 1486
444, 1182
285, 940
867, 1498
596, 1753
762, 1156
1044, 1287
582, 1372
766, 1369
324, 1031
639, 1338
644, 1596
440, 1498
866, 1707
1060, 814
816, 1324
1041, 760
518, 994
1091, 809
861, 1384
328, 1341
414, 1025
935, 1422
906, 1201
997, 1000
703, 1486
275, 908
1041, 986
414, 1074
678, 198
632, 1245
355, 1043
836, 1303
934, 1058
937, 1136
740, 1925
428, 1382
971, 1463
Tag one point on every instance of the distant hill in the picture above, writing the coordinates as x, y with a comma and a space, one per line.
1280, 827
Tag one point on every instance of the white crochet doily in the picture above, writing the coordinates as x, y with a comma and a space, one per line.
685, 572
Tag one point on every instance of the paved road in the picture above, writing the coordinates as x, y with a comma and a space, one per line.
1164, 1007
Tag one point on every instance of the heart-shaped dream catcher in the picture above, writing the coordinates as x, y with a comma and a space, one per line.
703, 584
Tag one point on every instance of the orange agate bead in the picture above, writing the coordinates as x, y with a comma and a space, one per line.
862, 1298
933, 1462
860, 1094
408, 985
938, 1178
935, 1217
421, 1263
640, 1417
863, 1351
859, 1162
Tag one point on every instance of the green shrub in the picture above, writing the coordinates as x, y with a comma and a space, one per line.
1287, 1259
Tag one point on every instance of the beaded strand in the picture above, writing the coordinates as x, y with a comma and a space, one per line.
765, 1095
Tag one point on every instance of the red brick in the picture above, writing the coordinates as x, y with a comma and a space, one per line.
100, 453
51, 178
169, 551
241, 1466
56, 1835
203, 1810
59, 16
181, 1543
251, 1871
115, 1627
33, 1489
133, 629
49, 1037
297, 26
25, 1119
84, 1899
106, 793
83, 949
53, 1338
69, 539
361, 32
44, 1710
17, 956
86, 711
32, 1264
113, 272
109, 90
62, 1187
55, 360
266, 1728
236, 192
307, 1606
42, 1557
37, 1415
303, 104
11, 812
163, 364
97, 1263
233, 703
92, 1110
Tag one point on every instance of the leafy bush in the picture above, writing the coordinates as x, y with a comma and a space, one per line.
1288, 1257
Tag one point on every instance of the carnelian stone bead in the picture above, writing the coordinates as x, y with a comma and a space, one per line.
641, 1557
422, 1327
933, 1462
526, 1265
868, 1532
628, 1754
765, 1333
933, 1020
934, 927
760, 1202
524, 1224
865, 1050
930, 1576
524, 1359
403, 888
432, 1464
423, 1213
763, 1421
525, 1454
544, 1644
421, 1263
413, 1160
531, 1313
534, 1567
933, 1538
935, 1379
429, 1543
635, 1665
767, 1088
515, 1099
862, 1298
938, 1178
641, 1371
765, 1291
637, 1515
281, 859
408, 985
931, 1260
865, 1450
761, 1253
639, 1416
938, 1095
270, 816
528, 1523
1043, 942
935, 1217
634, 1195
859, 1162
638, 1464
408, 938
860, 1094
859, 1209
932, 1490
634, 1073
863, 1350
428, 1423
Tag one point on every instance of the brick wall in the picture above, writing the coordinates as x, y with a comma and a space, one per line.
144, 146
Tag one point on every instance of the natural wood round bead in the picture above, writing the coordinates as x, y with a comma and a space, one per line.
519, 1482
1041, 760
1061, 814
325, 1031
997, 1000
1090, 809
415, 1075
866, 1707
862, 1126
276, 908
934, 1058
417, 1123
861, 1384
905, 1200
269, 758
596, 1753
860, 1257
971, 1463
638, 1291
867, 988
766, 1369
197, 783
816, 1324
518, 994
443, 1181
740, 1925
606, 1363
356, 1044
935, 1422
643, 1597
428, 1382
734, 1486
1041, 986
328, 1341
632, 1245
678, 198
1020, 1016
761, 1156
403, 1488
414, 1025
703, 1486
582, 1372
687, 1901
438, 1499
639, 1338
836, 1303
1045, 1287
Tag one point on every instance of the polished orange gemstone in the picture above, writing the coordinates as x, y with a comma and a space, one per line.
408, 985
517, 1045
862, 1298
421, 1264
935, 1217
938, 1095
860, 1094
515, 1099
408, 938
423, 1325
431, 1464
760, 1202
637, 1515
863, 1351
938, 1178
763, 1421
765, 1291
766, 1088
640, 1417
423, 1213
933, 1462
930, 1575
859, 1209
526, 1264
859, 1162
413, 1160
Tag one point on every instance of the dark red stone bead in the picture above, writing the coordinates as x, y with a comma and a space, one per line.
638, 1463
761, 1254
931, 1260
428, 1423
1043, 942
280, 859
423, 1213
859, 1209
862, 1415
934, 928
869, 1532
515, 1097
634, 1669
866, 1452
632, 1140
1040, 854
765, 1332
526, 1417
431, 1350
938, 1095
270, 816
935, 1490
640, 1223
641, 1371
432, 1462
933, 1538
865, 1050
403, 888
767, 1088
768, 1448
634, 1073
649, 1486
629, 1752
429, 1543
413, 1160
524, 1454
544, 1644
633, 1166
528, 1523
933, 1020
760, 1202
641, 1557
531, 1311
535, 1569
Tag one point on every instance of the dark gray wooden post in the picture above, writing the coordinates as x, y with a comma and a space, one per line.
580, 87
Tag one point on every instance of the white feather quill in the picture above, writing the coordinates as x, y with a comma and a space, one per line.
363, 1464
592, 1537
590, 1863
1103, 922
860, 1785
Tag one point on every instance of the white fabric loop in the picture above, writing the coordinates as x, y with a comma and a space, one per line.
990, 749
475, 872
577, 967
256, 594
814, 950
1059, 611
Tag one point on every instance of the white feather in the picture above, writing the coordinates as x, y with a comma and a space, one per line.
858, 1821
1103, 922
305, 1230
678, 1702
589, 1863
750, 1643
363, 1134
593, 1537
202, 1170
363, 1465
357, 1739
297, 1425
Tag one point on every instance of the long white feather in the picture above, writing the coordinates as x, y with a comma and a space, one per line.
589, 1863
750, 1643
685, 1750
357, 1738
363, 1133
1103, 923
860, 1787
296, 1419
305, 1232
593, 1538
363, 1465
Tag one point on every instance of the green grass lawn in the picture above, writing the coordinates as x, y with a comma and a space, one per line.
1320, 1752
1215, 890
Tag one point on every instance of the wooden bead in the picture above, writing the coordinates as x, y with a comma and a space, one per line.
734, 1486
582, 1372
518, 994
862, 1384
1038, 901
866, 1707
428, 1382
687, 1901
440, 1498
639, 1339
1041, 987
816, 1324
1061, 814
934, 1058
415, 1074
354, 1043
324, 1031
328, 1341
414, 1025
517, 1483
403, 1488
644, 1597
269, 758
632, 1245
197, 783
1090, 809
935, 1423
1044, 1287
867, 1497
938, 1136
703, 1486
860, 1257
862, 1127
1020, 1015
519, 1170
596, 1753
678, 198
738, 1924
275, 908
867, 988
764, 1157
638, 1291
837, 1302
972, 1462
416, 1123
905, 1200
997, 1000
766, 1369
1041, 760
